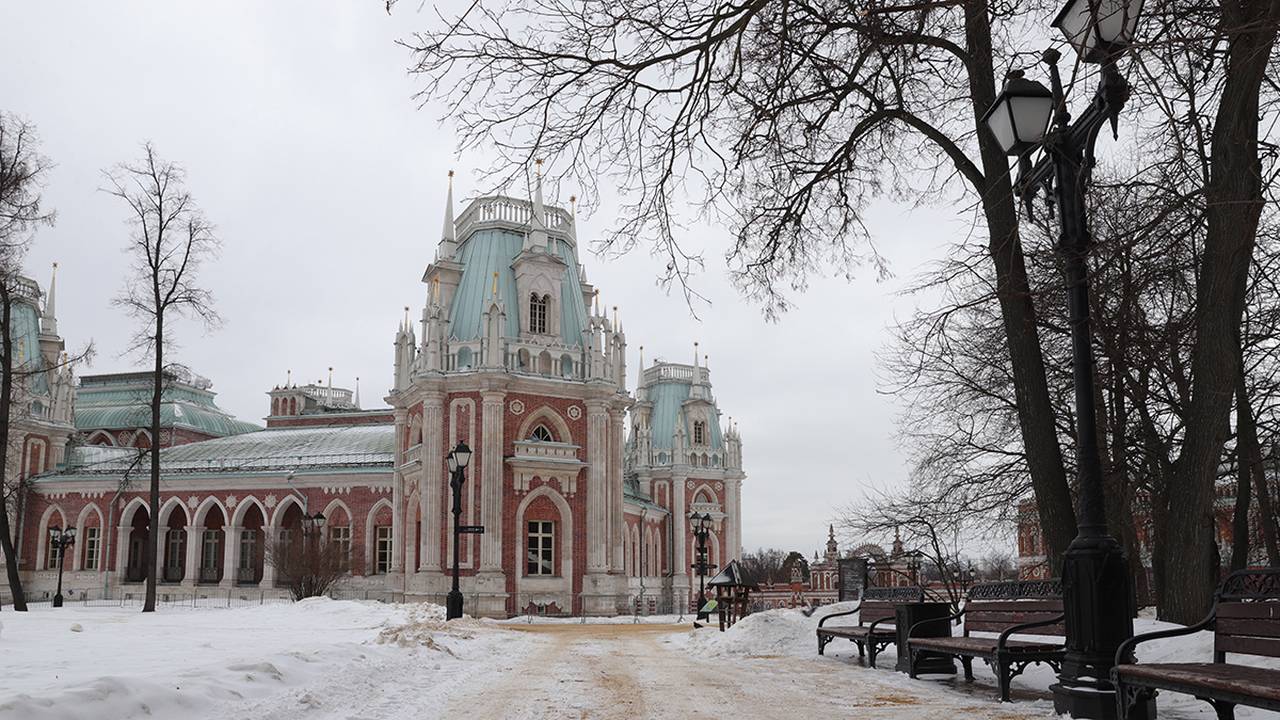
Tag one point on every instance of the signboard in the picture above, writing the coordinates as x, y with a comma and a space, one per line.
853, 578
471, 529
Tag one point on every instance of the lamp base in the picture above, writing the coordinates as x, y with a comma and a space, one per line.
1098, 606
57, 600
453, 605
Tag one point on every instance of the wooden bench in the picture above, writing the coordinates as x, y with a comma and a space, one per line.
1245, 620
998, 611
871, 634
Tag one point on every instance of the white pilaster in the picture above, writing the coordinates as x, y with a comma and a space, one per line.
597, 488
230, 553
194, 540
432, 490
398, 548
617, 525
491, 481
679, 523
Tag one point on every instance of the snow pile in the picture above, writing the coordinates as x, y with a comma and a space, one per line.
427, 627
769, 633
196, 663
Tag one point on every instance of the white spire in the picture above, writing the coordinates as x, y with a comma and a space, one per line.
49, 318
537, 238
449, 234
357, 400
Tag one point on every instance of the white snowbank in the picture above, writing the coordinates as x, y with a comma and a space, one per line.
774, 633
188, 663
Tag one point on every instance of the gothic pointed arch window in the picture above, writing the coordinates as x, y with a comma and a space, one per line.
538, 306
699, 432
542, 434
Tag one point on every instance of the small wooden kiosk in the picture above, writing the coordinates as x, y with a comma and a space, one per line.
733, 594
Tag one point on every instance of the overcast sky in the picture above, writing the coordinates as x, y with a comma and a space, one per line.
303, 144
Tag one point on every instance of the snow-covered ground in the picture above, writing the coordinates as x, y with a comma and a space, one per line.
328, 659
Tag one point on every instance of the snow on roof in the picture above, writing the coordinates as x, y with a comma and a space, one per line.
287, 448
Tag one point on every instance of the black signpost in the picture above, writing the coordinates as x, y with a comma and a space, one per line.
853, 578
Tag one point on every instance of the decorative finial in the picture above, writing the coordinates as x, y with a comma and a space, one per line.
573, 206
330, 377
615, 316
288, 378
406, 319
538, 163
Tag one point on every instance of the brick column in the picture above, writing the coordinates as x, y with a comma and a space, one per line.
491, 480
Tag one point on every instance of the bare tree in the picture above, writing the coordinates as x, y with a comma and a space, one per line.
763, 566
780, 119
997, 565
169, 240
307, 564
933, 527
22, 171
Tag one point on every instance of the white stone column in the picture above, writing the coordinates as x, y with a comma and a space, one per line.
736, 484
679, 524
195, 539
597, 488
122, 553
617, 524
398, 548
432, 483
491, 472
230, 554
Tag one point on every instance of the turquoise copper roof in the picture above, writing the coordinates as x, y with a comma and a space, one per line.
26, 331
273, 449
667, 399
492, 250
122, 401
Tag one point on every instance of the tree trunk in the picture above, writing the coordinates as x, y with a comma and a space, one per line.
1031, 389
1240, 514
1234, 204
1250, 473
1267, 513
157, 390
7, 544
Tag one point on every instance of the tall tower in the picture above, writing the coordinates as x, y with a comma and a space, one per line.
515, 362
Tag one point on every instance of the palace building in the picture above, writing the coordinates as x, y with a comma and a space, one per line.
583, 511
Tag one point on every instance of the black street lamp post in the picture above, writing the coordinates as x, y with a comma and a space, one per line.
1028, 117
457, 461
311, 527
701, 528
60, 540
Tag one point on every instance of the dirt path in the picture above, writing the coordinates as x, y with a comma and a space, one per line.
631, 672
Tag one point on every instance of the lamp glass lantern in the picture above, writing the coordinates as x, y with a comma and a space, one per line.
314, 521
452, 461
462, 454
55, 533
1098, 29
1020, 115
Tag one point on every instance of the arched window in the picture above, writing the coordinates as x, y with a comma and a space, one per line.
538, 313
542, 434
699, 432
